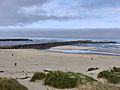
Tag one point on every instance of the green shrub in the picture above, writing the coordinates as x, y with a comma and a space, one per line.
104, 74
60, 79
115, 69
10, 84
89, 79
114, 79
112, 76
38, 76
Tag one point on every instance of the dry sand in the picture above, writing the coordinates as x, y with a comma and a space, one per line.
30, 61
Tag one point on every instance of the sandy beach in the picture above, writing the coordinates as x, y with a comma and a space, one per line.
32, 60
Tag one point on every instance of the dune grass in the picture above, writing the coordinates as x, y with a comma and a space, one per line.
59, 79
10, 84
38, 76
98, 86
112, 76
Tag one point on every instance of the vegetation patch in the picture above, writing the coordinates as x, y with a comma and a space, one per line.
10, 84
59, 79
112, 76
98, 86
38, 76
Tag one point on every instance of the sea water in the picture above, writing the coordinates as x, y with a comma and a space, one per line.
46, 36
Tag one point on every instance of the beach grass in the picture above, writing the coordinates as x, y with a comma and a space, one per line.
62, 80
10, 84
38, 76
112, 75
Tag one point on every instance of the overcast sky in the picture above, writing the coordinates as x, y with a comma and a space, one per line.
60, 13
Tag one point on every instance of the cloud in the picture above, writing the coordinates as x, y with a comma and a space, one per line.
54, 10
9, 8
21, 12
70, 9
98, 4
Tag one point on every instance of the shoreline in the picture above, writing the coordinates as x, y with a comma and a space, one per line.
82, 50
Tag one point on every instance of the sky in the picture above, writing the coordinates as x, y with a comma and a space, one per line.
60, 13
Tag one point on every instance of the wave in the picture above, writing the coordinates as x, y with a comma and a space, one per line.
83, 52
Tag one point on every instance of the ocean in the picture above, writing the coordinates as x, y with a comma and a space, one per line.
56, 35
100, 48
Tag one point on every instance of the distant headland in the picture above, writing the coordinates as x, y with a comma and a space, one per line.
16, 39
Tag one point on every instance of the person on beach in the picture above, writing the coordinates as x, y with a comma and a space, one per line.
92, 58
15, 64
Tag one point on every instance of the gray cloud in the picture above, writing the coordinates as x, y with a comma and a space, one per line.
17, 12
37, 13
98, 4
9, 8
51, 17
14, 12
